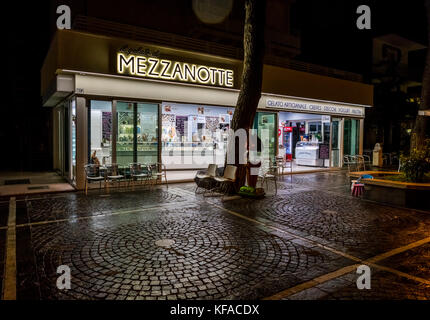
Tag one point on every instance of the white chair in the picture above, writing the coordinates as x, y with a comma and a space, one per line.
229, 177
204, 179
210, 173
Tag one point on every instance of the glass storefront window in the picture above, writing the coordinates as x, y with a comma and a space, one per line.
147, 133
101, 131
126, 133
194, 135
73, 140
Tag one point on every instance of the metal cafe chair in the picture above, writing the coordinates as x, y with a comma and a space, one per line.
269, 172
92, 174
283, 164
113, 175
152, 178
138, 172
160, 173
360, 163
350, 162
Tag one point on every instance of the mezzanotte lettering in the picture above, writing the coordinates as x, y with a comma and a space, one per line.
152, 67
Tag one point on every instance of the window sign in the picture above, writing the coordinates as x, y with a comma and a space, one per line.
316, 107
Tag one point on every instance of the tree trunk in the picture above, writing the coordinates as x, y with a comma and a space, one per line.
422, 123
250, 90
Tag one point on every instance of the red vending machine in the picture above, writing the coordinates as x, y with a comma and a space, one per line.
287, 141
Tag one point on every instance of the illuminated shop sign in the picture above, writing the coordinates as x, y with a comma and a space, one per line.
315, 107
152, 67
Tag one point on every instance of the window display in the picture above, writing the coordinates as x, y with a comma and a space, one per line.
193, 135
137, 138
101, 130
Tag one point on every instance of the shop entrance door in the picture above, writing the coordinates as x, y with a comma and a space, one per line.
351, 137
265, 122
137, 137
336, 138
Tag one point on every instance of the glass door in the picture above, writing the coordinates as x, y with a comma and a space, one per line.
351, 137
137, 138
265, 123
335, 160
66, 142
72, 127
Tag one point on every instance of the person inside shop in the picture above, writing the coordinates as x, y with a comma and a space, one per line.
94, 159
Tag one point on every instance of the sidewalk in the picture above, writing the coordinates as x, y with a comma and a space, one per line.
23, 183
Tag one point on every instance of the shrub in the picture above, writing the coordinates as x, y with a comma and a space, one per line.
417, 164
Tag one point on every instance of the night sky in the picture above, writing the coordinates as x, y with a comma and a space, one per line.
328, 33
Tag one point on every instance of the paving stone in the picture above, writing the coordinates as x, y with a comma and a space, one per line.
216, 254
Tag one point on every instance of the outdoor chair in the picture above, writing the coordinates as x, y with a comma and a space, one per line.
360, 163
268, 173
153, 171
139, 172
112, 175
229, 177
206, 179
350, 162
395, 158
92, 174
386, 158
367, 160
283, 164
160, 172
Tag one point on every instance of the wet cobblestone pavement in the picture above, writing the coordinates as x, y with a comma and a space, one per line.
170, 243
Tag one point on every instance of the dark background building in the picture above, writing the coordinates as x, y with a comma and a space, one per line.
319, 36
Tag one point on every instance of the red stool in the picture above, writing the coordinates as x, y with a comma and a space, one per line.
357, 189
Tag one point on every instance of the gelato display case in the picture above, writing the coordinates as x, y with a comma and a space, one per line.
307, 154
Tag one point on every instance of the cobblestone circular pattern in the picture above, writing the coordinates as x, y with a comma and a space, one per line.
95, 204
348, 222
212, 260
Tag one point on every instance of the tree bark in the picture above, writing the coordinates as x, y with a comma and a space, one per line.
422, 123
252, 76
